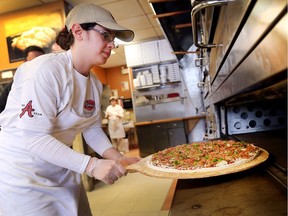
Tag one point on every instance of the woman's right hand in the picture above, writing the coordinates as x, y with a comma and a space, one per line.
107, 171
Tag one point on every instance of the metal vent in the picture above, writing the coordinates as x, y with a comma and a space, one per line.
256, 117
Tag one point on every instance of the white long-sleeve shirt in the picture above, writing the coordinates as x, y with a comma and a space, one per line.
49, 104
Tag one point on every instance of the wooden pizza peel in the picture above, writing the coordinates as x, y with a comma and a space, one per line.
142, 167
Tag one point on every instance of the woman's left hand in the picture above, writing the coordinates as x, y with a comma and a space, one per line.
125, 161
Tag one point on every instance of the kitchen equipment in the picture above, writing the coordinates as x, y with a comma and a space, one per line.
136, 83
172, 95
242, 57
127, 103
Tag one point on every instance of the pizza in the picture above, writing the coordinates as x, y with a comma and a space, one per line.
203, 156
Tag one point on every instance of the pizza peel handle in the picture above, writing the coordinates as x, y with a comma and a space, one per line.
137, 167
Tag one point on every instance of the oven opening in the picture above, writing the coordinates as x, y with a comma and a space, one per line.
263, 123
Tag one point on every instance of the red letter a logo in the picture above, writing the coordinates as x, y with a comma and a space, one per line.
28, 108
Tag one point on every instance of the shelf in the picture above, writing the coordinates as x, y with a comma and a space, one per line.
154, 102
148, 87
166, 85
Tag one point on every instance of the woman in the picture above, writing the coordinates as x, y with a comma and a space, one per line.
54, 98
114, 113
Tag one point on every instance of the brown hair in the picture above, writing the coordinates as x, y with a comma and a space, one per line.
65, 39
31, 49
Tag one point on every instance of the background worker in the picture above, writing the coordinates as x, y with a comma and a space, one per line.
115, 113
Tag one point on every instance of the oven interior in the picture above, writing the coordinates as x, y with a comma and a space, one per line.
256, 116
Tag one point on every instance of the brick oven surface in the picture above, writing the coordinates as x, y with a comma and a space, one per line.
242, 194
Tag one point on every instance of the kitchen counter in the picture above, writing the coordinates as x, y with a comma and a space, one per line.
126, 124
169, 120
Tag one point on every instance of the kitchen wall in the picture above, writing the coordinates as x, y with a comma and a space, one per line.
119, 81
114, 77
100, 74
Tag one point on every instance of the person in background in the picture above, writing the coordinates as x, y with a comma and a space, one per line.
115, 113
53, 99
30, 53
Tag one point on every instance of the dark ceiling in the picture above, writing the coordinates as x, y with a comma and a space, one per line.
175, 19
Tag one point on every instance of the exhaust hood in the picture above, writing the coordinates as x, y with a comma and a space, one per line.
175, 19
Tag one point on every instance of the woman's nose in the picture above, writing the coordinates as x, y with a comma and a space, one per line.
112, 45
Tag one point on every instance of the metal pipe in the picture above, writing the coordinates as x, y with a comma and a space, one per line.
195, 10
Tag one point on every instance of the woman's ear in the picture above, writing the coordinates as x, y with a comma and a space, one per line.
77, 31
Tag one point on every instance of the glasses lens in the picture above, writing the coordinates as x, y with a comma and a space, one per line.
108, 37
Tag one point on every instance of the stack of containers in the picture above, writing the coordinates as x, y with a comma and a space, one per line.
174, 72
155, 74
166, 51
148, 77
136, 83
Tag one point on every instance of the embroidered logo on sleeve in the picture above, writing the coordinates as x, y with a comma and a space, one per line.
28, 108
89, 105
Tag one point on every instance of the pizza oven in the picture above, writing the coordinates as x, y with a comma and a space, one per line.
242, 54
245, 90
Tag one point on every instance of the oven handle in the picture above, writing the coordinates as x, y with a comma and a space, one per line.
195, 10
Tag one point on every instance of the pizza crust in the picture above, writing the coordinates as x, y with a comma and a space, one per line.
198, 170
145, 167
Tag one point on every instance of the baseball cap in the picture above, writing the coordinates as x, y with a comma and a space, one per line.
91, 13
112, 98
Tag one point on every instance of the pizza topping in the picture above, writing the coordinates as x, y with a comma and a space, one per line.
199, 155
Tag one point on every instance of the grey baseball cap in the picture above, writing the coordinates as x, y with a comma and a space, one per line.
91, 13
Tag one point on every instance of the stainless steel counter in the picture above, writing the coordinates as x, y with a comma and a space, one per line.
169, 120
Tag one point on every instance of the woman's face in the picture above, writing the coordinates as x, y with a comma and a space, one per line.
100, 48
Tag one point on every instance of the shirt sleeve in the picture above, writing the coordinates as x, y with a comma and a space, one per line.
96, 138
53, 151
40, 98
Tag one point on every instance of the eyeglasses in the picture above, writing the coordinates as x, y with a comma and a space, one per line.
106, 35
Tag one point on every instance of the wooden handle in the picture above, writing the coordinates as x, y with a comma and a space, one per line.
185, 52
160, 1
136, 167
178, 26
171, 14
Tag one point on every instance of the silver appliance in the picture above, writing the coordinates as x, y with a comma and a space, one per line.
241, 48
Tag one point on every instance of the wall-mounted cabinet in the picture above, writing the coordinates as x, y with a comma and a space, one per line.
163, 102
158, 92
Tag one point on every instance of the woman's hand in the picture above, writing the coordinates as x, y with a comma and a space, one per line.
107, 171
125, 161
